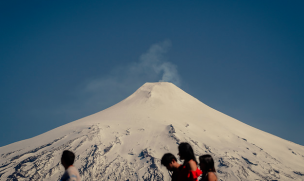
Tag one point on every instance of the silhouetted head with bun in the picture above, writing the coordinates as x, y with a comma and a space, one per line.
185, 152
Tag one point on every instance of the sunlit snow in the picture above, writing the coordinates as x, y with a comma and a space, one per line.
127, 140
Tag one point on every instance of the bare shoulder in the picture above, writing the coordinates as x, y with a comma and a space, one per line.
192, 165
212, 176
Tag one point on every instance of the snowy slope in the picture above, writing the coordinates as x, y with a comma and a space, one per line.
127, 140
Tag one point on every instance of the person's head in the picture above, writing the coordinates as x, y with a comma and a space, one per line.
67, 158
169, 161
185, 152
206, 163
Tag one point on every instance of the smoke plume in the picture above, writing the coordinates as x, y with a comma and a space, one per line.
98, 94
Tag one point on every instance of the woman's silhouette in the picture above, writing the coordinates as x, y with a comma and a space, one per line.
189, 170
207, 166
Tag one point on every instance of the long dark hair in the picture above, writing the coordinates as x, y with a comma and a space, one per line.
186, 151
208, 163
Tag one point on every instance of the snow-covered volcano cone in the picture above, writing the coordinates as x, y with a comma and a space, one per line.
127, 140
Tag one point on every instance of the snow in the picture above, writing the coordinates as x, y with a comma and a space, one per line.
127, 140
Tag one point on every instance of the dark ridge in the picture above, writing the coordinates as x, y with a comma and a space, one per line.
36, 176
249, 162
222, 163
4, 165
172, 135
107, 148
36, 149
29, 159
208, 149
88, 164
298, 173
9, 153
144, 154
171, 129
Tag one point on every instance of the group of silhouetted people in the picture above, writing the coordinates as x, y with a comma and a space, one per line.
189, 170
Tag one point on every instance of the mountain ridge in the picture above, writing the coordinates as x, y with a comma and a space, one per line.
138, 130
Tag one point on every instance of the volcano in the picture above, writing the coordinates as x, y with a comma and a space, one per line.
126, 142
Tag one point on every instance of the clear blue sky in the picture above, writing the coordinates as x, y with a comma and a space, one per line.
63, 60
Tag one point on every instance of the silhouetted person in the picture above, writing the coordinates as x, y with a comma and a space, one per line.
71, 173
207, 166
170, 161
189, 170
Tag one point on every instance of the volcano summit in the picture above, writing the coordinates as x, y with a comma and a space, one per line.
127, 140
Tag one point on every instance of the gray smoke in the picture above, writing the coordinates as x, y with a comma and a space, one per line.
156, 60
98, 94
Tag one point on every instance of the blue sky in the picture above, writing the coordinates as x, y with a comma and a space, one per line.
61, 61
